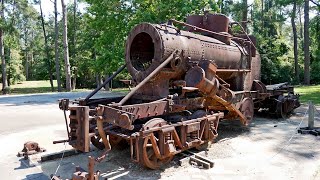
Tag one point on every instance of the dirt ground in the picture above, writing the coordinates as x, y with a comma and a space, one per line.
267, 149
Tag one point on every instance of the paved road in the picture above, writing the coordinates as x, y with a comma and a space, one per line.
34, 117
24, 112
261, 153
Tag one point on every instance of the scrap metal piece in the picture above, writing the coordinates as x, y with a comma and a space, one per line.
81, 174
30, 148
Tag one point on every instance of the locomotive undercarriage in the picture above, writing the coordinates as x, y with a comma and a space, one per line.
157, 130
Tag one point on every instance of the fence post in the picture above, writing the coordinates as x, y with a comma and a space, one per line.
310, 116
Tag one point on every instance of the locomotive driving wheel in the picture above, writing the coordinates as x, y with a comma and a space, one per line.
247, 108
147, 155
115, 142
280, 110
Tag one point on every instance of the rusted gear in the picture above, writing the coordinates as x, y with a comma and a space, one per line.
247, 108
147, 154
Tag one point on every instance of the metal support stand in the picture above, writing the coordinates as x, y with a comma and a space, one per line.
310, 129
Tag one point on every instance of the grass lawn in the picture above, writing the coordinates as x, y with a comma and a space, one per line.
32, 87
309, 93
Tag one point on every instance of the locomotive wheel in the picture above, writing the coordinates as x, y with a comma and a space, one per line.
97, 142
115, 142
280, 112
247, 108
147, 154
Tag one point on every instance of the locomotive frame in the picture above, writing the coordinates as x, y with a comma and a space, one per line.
186, 83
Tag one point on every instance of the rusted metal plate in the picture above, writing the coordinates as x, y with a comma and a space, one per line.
79, 128
146, 109
193, 127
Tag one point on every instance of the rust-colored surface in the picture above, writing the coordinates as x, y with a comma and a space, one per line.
30, 148
185, 84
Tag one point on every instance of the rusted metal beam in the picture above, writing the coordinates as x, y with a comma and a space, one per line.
156, 71
105, 82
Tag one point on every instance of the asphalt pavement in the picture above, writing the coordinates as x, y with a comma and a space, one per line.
24, 112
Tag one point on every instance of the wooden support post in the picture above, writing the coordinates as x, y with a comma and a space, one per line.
311, 115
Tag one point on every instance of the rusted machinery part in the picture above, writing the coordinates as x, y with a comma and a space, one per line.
97, 142
81, 174
247, 108
30, 148
147, 154
105, 82
146, 79
280, 111
104, 138
148, 45
233, 109
115, 142
200, 114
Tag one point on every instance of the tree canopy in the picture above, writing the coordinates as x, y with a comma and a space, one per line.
97, 35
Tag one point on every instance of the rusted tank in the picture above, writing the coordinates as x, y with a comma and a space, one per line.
186, 82
148, 45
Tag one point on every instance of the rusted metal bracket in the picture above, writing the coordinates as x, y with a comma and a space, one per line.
197, 159
81, 174
30, 148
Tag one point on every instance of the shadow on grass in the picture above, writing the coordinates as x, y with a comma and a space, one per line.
31, 90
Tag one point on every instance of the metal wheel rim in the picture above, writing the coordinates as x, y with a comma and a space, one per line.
149, 158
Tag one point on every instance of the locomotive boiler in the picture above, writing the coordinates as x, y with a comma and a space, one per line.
187, 77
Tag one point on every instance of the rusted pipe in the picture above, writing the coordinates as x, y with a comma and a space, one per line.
105, 82
205, 30
162, 65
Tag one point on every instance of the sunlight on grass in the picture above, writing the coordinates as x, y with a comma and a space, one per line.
30, 87
33, 87
309, 93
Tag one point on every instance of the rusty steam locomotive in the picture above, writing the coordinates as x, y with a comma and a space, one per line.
187, 80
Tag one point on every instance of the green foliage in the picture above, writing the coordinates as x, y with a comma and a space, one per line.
101, 30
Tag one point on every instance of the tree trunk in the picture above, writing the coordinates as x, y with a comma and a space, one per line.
306, 44
26, 51
47, 48
27, 66
295, 40
65, 46
262, 14
3, 61
244, 15
106, 87
56, 48
31, 64
300, 22
98, 80
74, 77
9, 75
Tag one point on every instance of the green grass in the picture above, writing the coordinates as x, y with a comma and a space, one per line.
33, 87
309, 93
